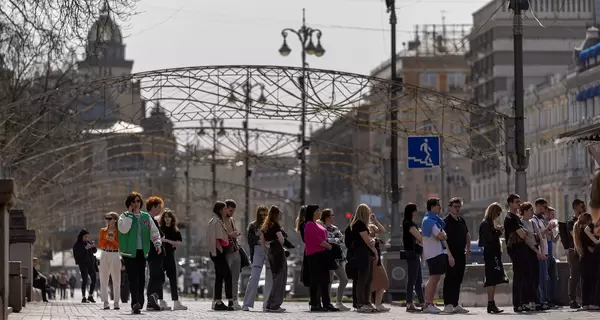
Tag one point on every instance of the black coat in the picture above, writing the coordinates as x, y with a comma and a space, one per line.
82, 255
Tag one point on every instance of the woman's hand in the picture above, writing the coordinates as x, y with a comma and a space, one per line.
234, 234
451, 261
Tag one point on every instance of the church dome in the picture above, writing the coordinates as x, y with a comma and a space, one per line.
104, 30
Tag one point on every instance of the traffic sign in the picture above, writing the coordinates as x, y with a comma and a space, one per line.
424, 152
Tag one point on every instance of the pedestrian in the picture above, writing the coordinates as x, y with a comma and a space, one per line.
578, 207
380, 280
489, 239
110, 261
172, 240
217, 241
434, 251
39, 280
361, 254
196, 276
138, 235
273, 239
258, 258
531, 258
63, 282
542, 231
335, 237
413, 249
459, 249
233, 256
552, 237
585, 241
305, 269
154, 207
72, 284
83, 253
315, 236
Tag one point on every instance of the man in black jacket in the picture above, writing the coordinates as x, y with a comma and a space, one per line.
83, 252
155, 206
39, 281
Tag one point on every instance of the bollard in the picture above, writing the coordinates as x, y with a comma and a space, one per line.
15, 286
24, 273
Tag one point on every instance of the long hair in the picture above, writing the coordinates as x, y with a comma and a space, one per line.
260, 218
492, 212
272, 218
219, 205
326, 213
362, 214
524, 207
408, 212
115, 217
300, 218
171, 214
595, 193
584, 220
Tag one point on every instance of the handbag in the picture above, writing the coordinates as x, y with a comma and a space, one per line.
244, 260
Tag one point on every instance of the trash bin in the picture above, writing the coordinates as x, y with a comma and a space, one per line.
15, 286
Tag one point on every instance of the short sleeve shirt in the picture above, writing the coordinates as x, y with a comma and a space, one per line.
512, 223
457, 230
271, 233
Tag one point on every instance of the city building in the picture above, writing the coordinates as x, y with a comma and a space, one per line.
547, 51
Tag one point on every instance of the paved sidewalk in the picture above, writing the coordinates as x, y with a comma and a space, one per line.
296, 311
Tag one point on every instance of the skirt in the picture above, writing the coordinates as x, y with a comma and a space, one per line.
494, 269
380, 278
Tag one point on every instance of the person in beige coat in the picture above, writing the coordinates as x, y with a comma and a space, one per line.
217, 241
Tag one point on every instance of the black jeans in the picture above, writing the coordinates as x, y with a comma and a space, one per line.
319, 280
453, 280
87, 270
222, 274
40, 283
157, 277
589, 276
170, 267
414, 280
524, 277
136, 275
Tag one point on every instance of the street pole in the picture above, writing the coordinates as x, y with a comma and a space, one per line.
213, 164
521, 161
188, 229
247, 154
396, 240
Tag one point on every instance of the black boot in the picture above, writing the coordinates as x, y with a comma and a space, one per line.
491, 308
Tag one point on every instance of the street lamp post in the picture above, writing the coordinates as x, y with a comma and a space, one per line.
218, 130
248, 101
305, 35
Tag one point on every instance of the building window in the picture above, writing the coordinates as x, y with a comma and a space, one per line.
429, 80
456, 81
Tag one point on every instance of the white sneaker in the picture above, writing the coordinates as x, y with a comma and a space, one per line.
106, 306
382, 308
460, 309
236, 306
365, 309
342, 307
449, 309
177, 305
431, 309
163, 305
245, 308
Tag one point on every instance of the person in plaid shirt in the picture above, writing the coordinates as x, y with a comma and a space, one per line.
335, 237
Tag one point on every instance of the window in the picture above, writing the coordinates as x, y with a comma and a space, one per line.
456, 81
429, 80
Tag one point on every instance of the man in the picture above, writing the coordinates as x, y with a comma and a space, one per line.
572, 256
138, 235
196, 278
233, 258
544, 229
155, 206
459, 248
434, 251
39, 281
552, 237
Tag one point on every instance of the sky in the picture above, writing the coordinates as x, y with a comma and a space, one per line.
356, 34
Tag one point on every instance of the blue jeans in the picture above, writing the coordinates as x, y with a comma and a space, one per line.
414, 280
552, 279
543, 283
258, 261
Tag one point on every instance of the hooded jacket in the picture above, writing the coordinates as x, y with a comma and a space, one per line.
82, 255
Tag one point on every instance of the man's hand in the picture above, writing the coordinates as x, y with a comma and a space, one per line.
541, 256
468, 254
451, 261
158, 249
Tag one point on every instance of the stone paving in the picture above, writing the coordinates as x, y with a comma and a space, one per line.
295, 311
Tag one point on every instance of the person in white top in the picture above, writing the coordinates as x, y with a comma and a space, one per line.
543, 231
196, 279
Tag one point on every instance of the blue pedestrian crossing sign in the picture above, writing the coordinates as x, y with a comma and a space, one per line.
423, 152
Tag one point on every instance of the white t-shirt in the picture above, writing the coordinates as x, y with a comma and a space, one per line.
539, 225
432, 246
196, 277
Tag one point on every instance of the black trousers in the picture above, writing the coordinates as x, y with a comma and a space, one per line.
319, 280
222, 274
524, 275
87, 270
136, 275
40, 283
454, 279
589, 276
170, 267
157, 276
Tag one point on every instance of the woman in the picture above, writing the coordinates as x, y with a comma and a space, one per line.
361, 252
217, 240
379, 280
272, 237
83, 252
413, 248
63, 283
336, 237
489, 240
258, 256
172, 240
315, 237
110, 261
584, 241
305, 269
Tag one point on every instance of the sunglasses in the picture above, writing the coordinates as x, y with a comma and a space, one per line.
108, 218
